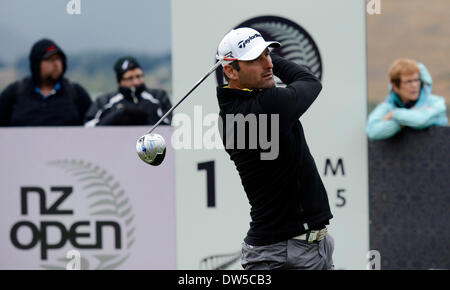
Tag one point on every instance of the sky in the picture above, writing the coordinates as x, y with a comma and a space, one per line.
141, 26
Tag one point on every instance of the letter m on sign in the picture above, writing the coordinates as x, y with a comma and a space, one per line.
334, 170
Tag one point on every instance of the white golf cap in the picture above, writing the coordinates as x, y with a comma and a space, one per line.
243, 44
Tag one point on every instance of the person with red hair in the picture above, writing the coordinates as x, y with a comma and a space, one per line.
409, 103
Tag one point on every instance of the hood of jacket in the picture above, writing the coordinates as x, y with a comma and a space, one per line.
40, 49
425, 89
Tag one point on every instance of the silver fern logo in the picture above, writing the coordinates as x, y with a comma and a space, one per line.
108, 207
297, 44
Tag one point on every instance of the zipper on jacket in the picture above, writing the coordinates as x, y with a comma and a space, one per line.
133, 94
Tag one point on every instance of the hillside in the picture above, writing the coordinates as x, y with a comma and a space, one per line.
94, 71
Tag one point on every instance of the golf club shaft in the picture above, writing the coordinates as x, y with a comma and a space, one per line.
213, 69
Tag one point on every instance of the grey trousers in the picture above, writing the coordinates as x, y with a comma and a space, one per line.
290, 254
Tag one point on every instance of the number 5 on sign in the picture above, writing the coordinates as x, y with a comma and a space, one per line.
210, 182
341, 197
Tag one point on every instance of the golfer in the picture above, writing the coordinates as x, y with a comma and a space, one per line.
289, 203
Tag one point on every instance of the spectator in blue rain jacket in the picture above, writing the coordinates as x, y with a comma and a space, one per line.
409, 103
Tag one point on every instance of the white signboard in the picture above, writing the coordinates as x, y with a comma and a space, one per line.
79, 198
329, 36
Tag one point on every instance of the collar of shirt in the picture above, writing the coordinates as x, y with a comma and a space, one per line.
56, 88
227, 87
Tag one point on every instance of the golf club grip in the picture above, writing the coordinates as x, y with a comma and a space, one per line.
190, 91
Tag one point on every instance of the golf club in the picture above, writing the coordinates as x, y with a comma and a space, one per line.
151, 148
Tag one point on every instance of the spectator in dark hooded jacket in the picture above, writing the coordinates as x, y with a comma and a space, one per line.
45, 98
133, 103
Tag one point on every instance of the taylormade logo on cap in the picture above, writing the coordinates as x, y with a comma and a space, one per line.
244, 44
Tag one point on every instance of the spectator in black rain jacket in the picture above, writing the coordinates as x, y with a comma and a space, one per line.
45, 98
133, 103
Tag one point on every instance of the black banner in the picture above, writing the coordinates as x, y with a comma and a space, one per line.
409, 194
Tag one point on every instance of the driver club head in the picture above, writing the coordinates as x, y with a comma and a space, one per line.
151, 148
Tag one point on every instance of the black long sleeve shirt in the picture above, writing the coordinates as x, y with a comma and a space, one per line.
286, 194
